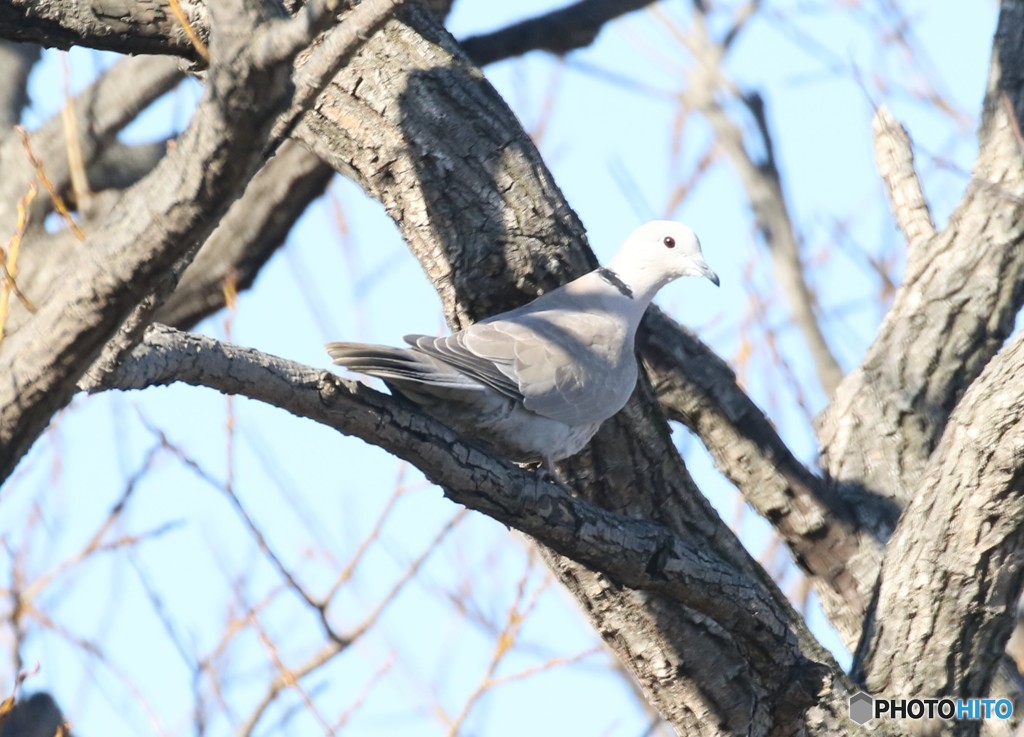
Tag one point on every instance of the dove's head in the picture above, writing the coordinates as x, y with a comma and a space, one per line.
658, 252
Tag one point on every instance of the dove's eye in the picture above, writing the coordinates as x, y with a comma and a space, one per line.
669, 242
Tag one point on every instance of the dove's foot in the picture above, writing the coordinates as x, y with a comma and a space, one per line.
548, 472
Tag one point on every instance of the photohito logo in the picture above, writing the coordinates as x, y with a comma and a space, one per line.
864, 708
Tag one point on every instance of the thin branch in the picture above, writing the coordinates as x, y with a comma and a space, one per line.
337, 645
894, 157
58, 201
9, 262
504, 642
707, 84
102, 109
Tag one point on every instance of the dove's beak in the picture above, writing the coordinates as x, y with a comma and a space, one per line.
704, 270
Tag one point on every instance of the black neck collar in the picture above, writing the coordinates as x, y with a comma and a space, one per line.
616, 281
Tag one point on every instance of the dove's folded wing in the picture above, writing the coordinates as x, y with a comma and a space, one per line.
519, 361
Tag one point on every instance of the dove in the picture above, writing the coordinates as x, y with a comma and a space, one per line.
535, 383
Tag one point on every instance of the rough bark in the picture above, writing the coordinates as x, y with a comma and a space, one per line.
420, 130
814, 522
955, 307
102, 110
149, 27
894, 156
955, 566
138, 27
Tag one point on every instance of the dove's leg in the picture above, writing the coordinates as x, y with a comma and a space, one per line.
547, 471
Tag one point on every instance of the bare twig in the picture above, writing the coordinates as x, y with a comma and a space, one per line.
58, 201
517, 614
707, 84
73, 144
197, 43
290, 677
363, 695
9, 261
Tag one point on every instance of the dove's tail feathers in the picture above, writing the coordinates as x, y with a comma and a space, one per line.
398, 366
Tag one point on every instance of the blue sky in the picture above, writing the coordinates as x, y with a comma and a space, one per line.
317, 495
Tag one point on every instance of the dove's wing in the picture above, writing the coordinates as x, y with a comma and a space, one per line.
572, 376
489, 360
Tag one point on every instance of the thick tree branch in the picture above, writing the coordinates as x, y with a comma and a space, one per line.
121, 165
101, 111
253, 229
16, 62
955, 566
149, 27
960, 294
560, 31
961, 291
418, 128
138, 27
154, 231
816, 525
634, 552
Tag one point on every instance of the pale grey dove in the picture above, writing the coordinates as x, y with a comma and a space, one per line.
535, 383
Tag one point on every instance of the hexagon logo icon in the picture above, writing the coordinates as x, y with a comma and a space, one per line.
861, 707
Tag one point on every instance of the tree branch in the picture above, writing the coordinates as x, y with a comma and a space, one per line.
816, 525
476, 205
154, 231
102, 110
560, 31
139, 27
16, 62
148, 27
955, 567
121, 165
763, 185
960, 294
706, 84
633, 552
253, 229
895, 159
956, 306
636, 552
